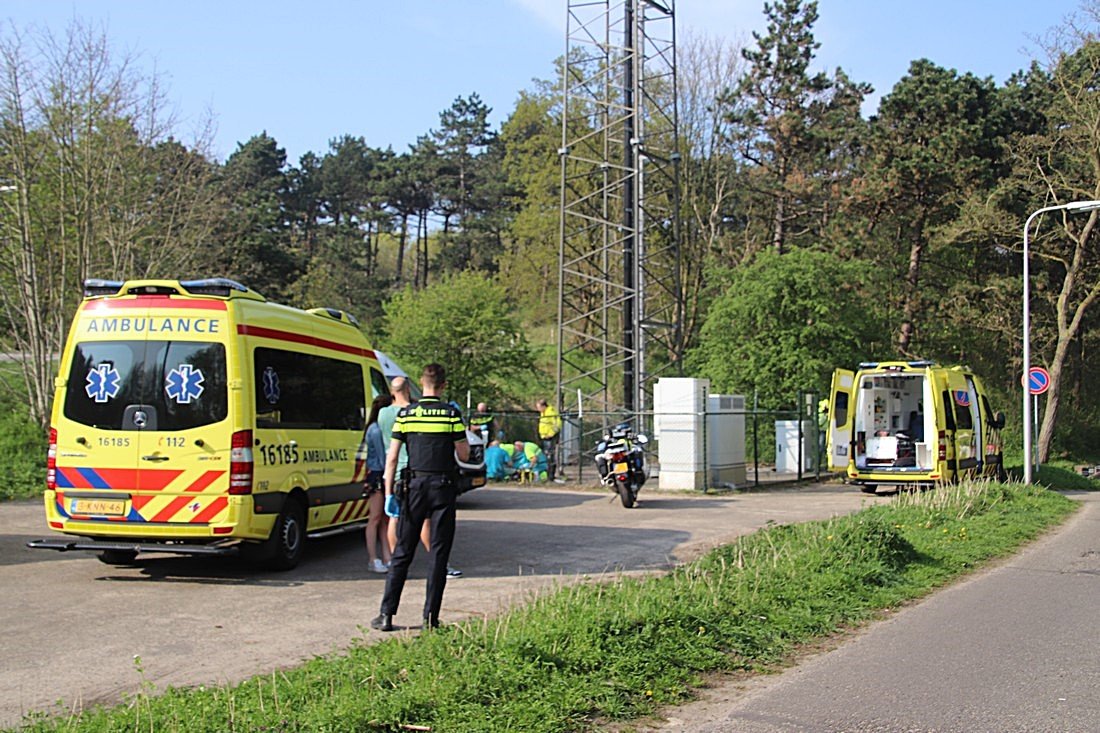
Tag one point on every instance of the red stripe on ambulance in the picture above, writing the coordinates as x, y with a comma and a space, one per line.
302, 338
212, 510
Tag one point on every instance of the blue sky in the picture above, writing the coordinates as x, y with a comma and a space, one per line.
309, 71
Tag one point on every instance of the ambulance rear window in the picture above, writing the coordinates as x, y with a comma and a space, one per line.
178, 384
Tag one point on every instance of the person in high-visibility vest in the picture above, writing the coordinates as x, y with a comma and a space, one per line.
433, 433
529, 457
481, 422
549, 430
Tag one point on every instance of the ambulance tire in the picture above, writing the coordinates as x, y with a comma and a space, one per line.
118, 557
869, 488
283, 549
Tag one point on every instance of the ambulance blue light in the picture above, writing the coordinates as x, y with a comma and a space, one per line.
94, 287
220, 286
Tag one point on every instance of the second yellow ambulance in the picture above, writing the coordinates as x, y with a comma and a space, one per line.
911, 423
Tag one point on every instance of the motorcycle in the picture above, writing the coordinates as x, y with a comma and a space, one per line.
620, 460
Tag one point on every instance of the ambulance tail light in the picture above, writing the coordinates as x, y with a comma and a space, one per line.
51, 461
240, 463
941, 454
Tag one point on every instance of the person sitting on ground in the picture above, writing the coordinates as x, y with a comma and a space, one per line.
528, 456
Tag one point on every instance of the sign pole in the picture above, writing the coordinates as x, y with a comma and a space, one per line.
1035, 434
1035, 383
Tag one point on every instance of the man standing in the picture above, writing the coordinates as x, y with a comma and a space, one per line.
482, 423
387, 416
549, 429
432, 432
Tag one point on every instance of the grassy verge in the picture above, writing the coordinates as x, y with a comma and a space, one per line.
613, 651
1062, 474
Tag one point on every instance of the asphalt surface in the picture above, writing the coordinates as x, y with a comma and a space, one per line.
75, 632
1013, 648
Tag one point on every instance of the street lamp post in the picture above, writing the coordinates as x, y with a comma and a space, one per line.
1073, 207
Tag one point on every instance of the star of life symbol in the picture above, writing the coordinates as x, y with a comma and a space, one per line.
102, 382
184, 384
271, 385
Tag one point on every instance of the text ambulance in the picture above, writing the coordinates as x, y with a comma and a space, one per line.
911, 423
198, 418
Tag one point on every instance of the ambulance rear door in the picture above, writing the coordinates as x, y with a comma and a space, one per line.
963, 402
145, 401
841, 417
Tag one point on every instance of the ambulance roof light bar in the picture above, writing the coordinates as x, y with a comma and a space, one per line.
222, 286
895, 366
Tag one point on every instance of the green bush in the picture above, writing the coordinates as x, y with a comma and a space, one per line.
23, 447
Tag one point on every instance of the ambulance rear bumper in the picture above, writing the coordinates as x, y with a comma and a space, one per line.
64, 545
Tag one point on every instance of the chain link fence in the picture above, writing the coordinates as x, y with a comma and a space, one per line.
734, 448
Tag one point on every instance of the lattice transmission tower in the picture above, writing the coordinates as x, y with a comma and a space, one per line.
619, 302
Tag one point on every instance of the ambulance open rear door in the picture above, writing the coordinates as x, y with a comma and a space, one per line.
841, 417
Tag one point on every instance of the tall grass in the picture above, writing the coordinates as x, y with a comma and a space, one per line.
597, 650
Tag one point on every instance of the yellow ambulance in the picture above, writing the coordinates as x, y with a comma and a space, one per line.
196, 417
912, 423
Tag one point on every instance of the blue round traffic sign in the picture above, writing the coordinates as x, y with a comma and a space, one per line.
1038, 380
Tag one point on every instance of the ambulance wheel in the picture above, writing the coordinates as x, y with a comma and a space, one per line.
626, 494
869, 488
283, 550
118, 557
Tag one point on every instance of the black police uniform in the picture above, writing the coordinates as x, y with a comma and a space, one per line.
481, 423
429, 428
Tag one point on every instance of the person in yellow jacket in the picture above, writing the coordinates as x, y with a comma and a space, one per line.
549, 431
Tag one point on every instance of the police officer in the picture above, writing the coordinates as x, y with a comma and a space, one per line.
481, 422
433, 434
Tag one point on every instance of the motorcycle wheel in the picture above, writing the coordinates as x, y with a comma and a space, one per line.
626, 494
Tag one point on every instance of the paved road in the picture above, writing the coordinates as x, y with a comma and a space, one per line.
70, 627
1015, 648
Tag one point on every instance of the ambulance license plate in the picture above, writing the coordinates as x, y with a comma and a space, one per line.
100, 507
620, 468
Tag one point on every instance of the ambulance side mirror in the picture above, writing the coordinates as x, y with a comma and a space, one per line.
999, 420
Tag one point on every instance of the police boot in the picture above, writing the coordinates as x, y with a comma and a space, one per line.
431, 622
382, 622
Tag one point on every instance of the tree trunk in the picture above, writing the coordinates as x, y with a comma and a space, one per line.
779, 222
401, 240
912, 291
1053, 397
